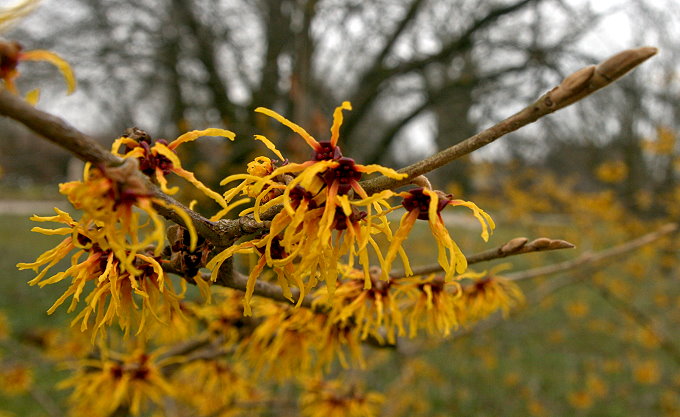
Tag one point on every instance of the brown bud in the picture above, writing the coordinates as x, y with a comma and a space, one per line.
578, 80
561, 244
514, 244
621, 63
137, 134
541, 243
572, 84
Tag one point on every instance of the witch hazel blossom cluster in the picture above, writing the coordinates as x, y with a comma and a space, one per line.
327, 218
327, 224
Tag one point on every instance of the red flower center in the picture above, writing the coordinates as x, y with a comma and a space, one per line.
418, 200
344, 174
340, 219
326, 152
297, 194
277, 251
9, 57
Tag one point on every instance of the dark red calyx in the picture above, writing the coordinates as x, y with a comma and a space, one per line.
344, 174
83, 240
481, 285
9, 57
340, 219
149, 162
418, 200
297, 194
326, 152
277, 251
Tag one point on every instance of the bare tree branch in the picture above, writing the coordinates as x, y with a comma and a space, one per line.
56, 130
408, 17
372, 81
606, 255
593, 261
516, 246
206, 53
383, 142
236, 280
575, 87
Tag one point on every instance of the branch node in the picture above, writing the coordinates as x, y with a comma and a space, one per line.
514, 245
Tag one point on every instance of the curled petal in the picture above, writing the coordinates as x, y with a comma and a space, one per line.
388, 172
216, 262
167, 152
124, 140
292, 126
195, 134
33, 96
220, 214
163, 183
270, 145
337, 121
405, 226
483, 217
57, 61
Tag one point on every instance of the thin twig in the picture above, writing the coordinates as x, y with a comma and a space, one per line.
56, 130
516, 246
596, 260
609, 254
231, 278
238, 281
575, 87
46, 402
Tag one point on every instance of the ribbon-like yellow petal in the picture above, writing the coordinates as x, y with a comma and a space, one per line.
57, 61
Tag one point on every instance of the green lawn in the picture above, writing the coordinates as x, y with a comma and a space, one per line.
25, 307
549, 360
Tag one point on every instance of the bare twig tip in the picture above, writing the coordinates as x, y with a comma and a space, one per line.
619, 64
561, 244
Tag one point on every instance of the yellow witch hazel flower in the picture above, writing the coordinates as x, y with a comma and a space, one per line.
219, 387
376, 311
15, 379
425, 204
488, 293
434, 305
157, 158
108, 197
114, 381
117, 251
282, 346
115, 291
296, 342
336, 399
326, 213
12, 53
